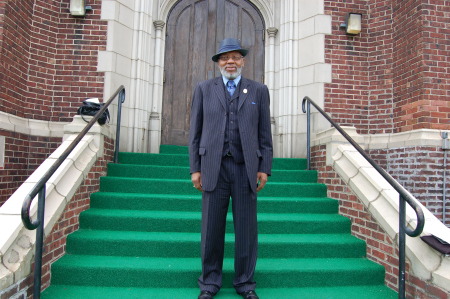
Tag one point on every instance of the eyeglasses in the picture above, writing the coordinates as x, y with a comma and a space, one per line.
234, 58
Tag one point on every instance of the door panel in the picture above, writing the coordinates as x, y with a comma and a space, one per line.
194, 31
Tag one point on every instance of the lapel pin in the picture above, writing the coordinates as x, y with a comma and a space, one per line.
245, 90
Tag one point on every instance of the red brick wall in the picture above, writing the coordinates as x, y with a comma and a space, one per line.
79, 41
408, 76
393, 76
380, 247
379, 26
2, 20
23, 154
14, 53
422, 64
48, 59
346, 98
421, 171
48, 63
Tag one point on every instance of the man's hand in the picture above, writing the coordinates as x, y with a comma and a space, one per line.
196, 179
261, 180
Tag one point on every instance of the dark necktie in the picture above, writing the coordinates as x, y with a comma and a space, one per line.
231, 87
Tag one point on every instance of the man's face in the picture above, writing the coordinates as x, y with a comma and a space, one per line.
230, 64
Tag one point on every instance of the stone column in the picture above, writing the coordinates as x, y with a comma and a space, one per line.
155, 115
272, 32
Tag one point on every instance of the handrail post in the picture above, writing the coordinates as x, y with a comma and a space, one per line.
401, 248
39, 245
119, 116
306, 102
308, 135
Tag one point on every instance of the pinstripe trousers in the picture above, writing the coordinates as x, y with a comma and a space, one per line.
233, 182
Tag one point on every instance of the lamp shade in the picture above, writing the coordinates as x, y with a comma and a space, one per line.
78, 8
354, 23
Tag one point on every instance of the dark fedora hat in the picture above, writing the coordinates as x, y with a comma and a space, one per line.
228, 45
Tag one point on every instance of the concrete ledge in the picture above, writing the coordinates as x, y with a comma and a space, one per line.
422, 137
32, 127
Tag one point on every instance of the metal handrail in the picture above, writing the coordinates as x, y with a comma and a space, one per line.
39, 188
405, 197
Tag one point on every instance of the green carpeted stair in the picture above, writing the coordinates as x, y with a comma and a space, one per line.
141, 238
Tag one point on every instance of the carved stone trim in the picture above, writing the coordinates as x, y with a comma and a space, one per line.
154, 115
159, 25
272, 31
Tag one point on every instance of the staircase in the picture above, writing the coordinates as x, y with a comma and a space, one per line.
141, 238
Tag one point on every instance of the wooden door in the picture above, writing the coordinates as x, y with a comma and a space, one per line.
194, 31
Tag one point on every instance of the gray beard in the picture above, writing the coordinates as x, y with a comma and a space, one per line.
230, 76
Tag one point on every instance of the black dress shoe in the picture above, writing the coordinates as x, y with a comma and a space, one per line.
206, 295
249, 295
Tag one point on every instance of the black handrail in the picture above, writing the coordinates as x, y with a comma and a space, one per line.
403, 194
39, 188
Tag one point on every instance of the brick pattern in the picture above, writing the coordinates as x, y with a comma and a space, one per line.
23, 154
48, 59
78, 44
55, 243
380, 247
346, 98
421, 171
393, 77
408, 87
18, 290
2, 21
425, 105
48, 66
15, 44
380, 48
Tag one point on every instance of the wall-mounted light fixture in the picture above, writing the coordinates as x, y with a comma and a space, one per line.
78, 8
352, 23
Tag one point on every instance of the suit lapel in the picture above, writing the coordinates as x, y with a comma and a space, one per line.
243, 95
218, 89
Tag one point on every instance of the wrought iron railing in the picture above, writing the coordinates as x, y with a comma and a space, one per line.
405, 197
39, 188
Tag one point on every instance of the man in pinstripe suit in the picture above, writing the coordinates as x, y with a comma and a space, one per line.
230, 151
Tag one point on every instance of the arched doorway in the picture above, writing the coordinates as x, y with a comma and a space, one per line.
194, 30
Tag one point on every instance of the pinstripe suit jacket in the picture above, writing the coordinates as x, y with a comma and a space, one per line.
207, 129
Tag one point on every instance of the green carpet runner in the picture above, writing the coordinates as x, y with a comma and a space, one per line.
141, 238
